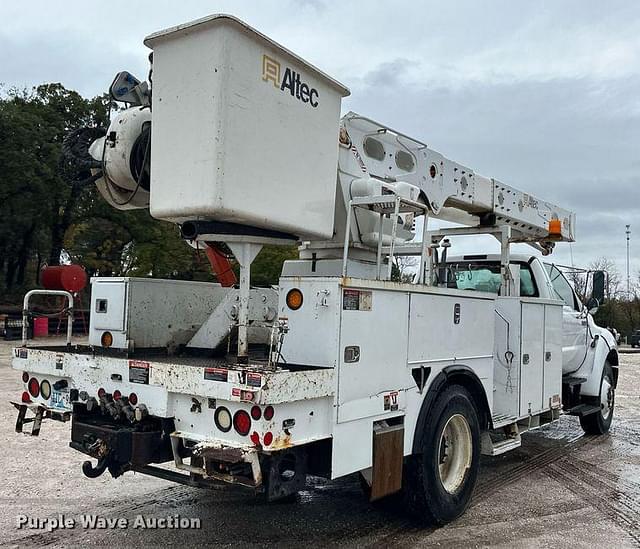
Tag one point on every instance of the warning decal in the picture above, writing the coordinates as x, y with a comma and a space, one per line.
216, 374
357, 300
254, 380
139, 371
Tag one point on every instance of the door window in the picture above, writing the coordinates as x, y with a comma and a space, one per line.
561, 286
485, 277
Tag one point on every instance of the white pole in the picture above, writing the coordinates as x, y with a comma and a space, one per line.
245, 253
628, 278
394, 229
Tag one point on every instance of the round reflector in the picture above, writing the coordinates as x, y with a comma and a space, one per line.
26, 397
255, 438
107, 339
222, 417
294, 299
242, 422
268, 413
256, 413
34, 387
101, 392
25, 376
133, 399
268, 438
117, 395
45, 389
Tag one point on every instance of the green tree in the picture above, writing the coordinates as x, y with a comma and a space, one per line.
38, 193
266, 269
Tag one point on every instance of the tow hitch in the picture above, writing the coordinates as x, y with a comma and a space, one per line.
94, 472
118, 445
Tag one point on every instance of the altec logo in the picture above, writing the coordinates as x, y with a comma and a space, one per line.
271, 72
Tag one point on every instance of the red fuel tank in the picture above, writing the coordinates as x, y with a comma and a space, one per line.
71, 278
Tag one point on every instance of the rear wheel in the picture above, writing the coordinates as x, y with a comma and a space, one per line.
599, 422
439, 482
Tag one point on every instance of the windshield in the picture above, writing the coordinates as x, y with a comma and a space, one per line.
485, 277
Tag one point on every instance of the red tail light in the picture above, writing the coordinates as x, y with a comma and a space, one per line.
268, 438
255, 438
256, 413
25, 376
133, 399
101, 392
242, 422
117, 395
34, 387
26, 397
268, 413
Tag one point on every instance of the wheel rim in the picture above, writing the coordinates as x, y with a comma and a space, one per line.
455, 453
606, 397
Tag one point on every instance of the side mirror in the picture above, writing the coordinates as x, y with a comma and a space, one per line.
598, 287
593, 305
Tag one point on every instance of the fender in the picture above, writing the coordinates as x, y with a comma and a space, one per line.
455, 374
604, 350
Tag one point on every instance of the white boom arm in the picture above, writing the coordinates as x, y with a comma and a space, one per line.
452, 191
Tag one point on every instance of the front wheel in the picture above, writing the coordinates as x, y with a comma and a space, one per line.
439, 481
598, 423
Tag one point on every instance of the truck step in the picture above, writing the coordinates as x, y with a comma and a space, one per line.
505, 445
582, 410
490, 447
572, 381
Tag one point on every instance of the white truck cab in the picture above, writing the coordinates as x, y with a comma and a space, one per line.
538, 278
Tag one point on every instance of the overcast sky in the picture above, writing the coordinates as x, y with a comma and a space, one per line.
544, 96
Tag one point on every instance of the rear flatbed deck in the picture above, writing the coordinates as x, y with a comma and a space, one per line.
212, 377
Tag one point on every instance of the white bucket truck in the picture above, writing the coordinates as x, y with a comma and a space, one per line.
341, 369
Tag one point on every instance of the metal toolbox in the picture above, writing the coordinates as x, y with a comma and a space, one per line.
149, 313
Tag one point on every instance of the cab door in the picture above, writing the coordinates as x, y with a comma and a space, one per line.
574, 322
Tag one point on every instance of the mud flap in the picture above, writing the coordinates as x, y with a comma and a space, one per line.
386, 474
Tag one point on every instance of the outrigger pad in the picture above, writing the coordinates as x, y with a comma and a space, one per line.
40, 413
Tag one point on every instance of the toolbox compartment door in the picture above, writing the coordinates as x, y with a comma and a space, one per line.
532, 358
108, 301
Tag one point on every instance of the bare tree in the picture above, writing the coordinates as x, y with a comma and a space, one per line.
580, 281
613, 280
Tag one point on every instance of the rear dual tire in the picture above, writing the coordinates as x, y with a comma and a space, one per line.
439, 481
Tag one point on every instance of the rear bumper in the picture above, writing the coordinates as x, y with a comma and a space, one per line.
218, 461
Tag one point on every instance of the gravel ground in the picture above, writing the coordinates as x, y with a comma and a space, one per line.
560, 489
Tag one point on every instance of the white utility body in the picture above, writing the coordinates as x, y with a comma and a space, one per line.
343, 368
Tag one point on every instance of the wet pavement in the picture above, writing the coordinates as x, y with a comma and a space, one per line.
560, 489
